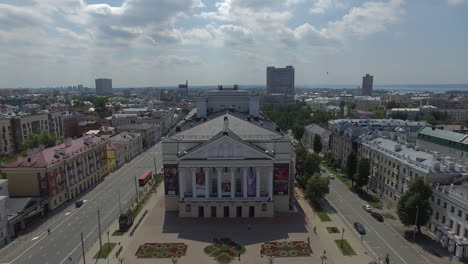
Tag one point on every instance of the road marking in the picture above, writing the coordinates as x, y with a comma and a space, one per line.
68, 213
97, 193
377, 233
34, 238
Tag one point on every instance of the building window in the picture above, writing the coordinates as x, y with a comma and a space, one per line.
437, 216
445, 205
451, 224
443, 219
187, 208
452, 210
438, 201
264, 207
459, 213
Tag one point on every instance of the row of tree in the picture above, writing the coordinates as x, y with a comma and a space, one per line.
357, 171
44, 138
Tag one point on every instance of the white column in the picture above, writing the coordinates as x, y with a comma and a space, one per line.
207, 182
181, 183
194, 183
270, 182
220, 170
257, 174
233, 183
244, 182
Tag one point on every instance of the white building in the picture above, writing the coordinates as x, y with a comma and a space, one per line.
394, 164
4, 235
228, 163
450, 217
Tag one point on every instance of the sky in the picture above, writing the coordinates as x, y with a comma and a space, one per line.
137, 43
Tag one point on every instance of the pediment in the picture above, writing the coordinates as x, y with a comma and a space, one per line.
226, 148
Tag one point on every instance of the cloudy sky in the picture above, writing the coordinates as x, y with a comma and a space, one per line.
163, 42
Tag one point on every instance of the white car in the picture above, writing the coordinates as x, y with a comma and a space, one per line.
331, 176
367, 208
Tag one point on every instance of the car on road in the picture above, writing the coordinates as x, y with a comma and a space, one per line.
323, 170
377, 216
367, 208
359, 228
331, 176
78, 203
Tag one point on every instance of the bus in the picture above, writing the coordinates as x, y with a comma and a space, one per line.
145, 178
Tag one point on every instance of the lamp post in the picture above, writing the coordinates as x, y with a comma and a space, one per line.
415, 228
342, 236
108, 246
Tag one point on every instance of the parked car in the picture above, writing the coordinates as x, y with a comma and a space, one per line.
323, 170
359, 228
377, 216
331, 176
78, 203
367, 208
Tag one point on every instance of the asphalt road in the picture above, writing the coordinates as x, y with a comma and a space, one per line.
381, 238
64, 241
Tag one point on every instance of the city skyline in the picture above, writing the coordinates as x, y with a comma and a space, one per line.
140, 43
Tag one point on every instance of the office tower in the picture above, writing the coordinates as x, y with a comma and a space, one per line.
183, 90
367, 82
103, 86
280, 80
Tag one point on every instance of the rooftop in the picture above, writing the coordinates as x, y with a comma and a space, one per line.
48, 156
238, 123
444, 134
143, 126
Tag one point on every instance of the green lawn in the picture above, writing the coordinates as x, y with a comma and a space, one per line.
106, 250
345, 247
323, 215
333, 229
118, 233
389, 216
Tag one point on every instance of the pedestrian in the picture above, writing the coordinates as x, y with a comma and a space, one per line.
48, 231
315, 229
248, 227
261, 253
308, 240
238, 255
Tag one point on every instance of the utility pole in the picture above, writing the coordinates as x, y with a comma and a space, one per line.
82, 247
99, 228
342, 236
415, 223
108, 246
154, 160
120, 206
136, 189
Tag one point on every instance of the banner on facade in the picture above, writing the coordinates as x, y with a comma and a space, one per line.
226, 184
280, 179
251, 183
200, 183
171, 176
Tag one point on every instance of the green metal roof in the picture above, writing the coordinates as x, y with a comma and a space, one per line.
443, 134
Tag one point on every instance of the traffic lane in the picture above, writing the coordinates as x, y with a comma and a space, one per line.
144, 161
379, 236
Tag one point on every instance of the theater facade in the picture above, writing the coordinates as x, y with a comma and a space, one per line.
229, 164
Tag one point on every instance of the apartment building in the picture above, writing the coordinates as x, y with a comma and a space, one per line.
25, 125
445, 142
162, 118
55, 124
115, 155
132, 143
345, 133
152, 133
309, 133
449, 219
7, 145
58, 173
394, 164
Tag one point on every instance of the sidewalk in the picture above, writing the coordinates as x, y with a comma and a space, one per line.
124, 240
328, 240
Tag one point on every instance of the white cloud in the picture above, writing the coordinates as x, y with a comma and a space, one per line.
456, 2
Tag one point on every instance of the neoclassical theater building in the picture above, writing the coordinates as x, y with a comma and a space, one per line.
228, 160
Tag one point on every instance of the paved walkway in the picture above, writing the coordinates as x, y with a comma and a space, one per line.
197, 233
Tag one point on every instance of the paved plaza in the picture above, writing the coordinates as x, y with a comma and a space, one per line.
198, 233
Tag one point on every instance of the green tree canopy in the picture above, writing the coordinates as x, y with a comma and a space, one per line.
317, 143
351, 166
363, 172
415, 201
298, 131
44, 138
317, 187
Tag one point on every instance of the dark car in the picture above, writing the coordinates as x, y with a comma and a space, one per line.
377, 216
359, 228
78, 203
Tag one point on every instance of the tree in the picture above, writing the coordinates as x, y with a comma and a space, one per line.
44, 138
144, 141
317, 187
311, 165
301, 154
415, 201
100, 106
298, 131
317, 143
391, 104
363, 171
351, 166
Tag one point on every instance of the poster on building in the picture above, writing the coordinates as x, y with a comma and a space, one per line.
280, 179
251, 183
171, 175
200, 183
226, 184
